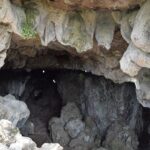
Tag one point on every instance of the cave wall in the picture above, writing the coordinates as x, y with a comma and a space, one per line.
109, 38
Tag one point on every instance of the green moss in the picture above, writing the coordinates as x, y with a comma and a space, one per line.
28, 29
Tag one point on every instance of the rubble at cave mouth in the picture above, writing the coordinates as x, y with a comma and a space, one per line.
78, 110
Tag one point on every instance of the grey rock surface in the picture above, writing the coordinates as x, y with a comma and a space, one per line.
74, 127
14, 110
11, 139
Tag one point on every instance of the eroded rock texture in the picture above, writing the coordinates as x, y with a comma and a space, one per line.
96, 114
78, 110
13, 110
112, 41
11, 139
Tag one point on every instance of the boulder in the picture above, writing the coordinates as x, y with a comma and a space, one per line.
13, 110
11, 139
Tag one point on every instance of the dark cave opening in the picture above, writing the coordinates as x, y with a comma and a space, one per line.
144, 138
113, 108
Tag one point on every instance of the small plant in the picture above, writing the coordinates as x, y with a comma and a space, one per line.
28, 30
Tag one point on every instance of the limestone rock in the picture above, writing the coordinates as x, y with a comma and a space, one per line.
3, 147
3, 55
133, 60
121, 138
101, 148
103, 106
5, 37
105, 28
58, 133
51, 146
75, 33
44, 26
140, 34
14, 110
13, 15
74, 127
81, 135
142, 87
11, 139
66, 115
127, 24
22, 143
100, 4
7, 132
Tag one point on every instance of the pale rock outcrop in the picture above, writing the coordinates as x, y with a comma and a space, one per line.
133, 60
137, 56
140, 35
5, 39
69, 28
126, 25
143, 88
74, 32
46, 29
105, 28
11, 139
13, 15
14, 110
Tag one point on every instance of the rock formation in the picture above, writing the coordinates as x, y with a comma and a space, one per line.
13, 110
33, 30
11, 139
107, 38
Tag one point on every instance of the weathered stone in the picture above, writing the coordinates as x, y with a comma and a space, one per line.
101, 148
28, 129
23, 143
121, 137
58, 133
66, 115
11, 139
140, 35
105, 28
127, 24
74, 127
52, 146
108, 4
13, 15
7, 132
3, 147
75, 33
14, 110
82, 135
133, 60
103, 103
45, 26
5, 37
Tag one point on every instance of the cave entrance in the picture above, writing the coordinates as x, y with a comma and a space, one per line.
79, 110
39, 91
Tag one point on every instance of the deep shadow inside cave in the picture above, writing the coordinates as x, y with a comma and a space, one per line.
113, 108
144, 138
39, 91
